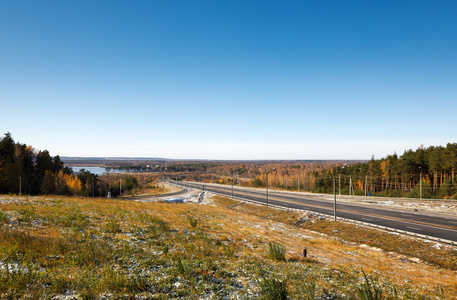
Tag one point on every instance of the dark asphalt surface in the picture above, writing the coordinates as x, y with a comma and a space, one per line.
435, 225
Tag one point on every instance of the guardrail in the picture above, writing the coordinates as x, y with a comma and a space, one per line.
173, 194
348, 220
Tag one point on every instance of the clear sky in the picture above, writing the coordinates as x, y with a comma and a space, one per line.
229, 79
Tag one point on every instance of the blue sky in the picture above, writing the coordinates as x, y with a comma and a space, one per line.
229, 79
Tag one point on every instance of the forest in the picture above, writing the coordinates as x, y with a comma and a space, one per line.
432, 169
24, 170
425, 172
421, 173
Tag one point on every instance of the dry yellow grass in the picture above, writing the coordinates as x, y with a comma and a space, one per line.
222, 241
399, 269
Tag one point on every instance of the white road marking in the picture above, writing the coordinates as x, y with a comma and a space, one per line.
400, 221
414, 228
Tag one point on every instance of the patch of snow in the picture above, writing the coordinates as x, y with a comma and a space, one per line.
175, 200
364, 246
12, 267
67, 296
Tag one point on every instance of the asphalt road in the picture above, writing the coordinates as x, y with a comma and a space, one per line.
427, 224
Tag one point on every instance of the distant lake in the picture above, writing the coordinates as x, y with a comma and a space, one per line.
93, 170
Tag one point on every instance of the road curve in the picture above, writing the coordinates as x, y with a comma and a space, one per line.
438, 226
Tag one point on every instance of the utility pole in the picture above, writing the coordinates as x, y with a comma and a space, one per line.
420, 186
304, 182
267, 184
350, 185
339, 184
334, 198
267, 190
298, 181
232, 187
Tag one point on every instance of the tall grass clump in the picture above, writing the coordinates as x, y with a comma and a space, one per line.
27, 214
113, 227
75, 219
18, 281
370, 289
3, 216
192, 221
277, 251
273, 289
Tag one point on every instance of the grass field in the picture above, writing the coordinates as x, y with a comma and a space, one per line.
84, 248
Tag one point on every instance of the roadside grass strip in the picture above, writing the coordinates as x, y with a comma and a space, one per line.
84, 248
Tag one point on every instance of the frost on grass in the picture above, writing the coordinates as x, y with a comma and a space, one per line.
101, 248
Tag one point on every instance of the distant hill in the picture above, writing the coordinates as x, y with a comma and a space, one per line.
68, 158
110, 161
129, 161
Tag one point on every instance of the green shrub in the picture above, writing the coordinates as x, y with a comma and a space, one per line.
229, 250
3, 216
27, 214
113, 227
75, 219
165, 249
447, 189
370, 289
273, 289
426, 191
192, 221
258, 182
277, 251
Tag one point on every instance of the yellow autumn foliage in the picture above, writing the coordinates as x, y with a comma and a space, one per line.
73, 183
359, 185
383, 169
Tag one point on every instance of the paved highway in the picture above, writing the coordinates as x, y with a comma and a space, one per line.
429, 224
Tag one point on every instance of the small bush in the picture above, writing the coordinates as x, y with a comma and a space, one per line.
113, 227
15, 282
27, 214
426, 191
273, 289
370, 289
75, 219
192, 221
165, 249
183, 268
3, 216
229, 250
277, 251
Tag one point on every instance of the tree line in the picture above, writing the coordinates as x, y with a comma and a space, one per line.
427, 172
24, 170
432, 169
